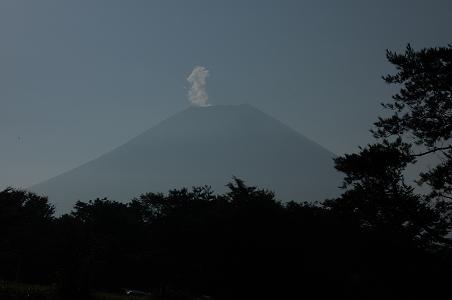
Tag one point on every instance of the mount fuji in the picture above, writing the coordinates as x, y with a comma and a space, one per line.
203, 146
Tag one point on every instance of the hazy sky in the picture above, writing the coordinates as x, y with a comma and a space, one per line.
78, 78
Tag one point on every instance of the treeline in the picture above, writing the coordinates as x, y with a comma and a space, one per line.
243, 244
381, 239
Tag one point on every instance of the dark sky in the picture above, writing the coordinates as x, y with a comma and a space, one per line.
78, 78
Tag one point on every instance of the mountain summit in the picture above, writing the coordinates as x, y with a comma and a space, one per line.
203, 146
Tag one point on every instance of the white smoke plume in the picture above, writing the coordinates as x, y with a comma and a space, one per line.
197, 94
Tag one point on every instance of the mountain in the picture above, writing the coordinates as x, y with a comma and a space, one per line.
203, 146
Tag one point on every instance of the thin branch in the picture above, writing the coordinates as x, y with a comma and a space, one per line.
442, 195
436, 149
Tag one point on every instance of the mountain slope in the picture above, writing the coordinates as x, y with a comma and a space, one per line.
203, 146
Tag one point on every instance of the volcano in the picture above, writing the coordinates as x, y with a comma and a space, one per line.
203, 146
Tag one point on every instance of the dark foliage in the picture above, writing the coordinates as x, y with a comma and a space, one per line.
26, 233
377, 200
240, 245
422, 111
424, 104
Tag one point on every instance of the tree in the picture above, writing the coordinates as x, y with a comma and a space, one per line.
380, 201
421, 124
422, 111
25, 220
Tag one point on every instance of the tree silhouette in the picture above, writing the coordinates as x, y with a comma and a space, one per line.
376, 192
422, 111
25, 230
381, 202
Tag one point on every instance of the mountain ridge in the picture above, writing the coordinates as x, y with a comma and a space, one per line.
201, 146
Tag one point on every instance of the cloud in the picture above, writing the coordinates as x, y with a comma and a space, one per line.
197, 94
